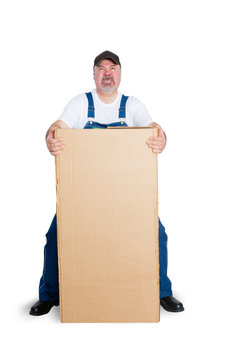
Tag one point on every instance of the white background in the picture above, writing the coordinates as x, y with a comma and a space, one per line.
180, 58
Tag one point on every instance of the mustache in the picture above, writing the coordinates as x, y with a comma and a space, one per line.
107, 78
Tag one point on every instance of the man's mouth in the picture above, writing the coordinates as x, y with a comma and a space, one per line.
107, 80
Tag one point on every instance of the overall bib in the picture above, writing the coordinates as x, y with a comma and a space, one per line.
48, 286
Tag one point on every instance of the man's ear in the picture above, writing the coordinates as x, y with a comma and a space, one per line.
94, 73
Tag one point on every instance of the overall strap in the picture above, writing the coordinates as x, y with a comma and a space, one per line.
122, 109
91, 109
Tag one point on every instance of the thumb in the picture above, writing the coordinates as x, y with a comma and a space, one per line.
160, 130
50, 134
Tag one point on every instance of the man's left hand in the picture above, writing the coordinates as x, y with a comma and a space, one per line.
157, 144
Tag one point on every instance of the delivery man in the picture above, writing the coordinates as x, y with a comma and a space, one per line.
99, 108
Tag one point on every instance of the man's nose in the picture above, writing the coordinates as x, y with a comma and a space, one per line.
107, 72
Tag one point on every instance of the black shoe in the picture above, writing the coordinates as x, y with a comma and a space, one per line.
169, 303
42, 307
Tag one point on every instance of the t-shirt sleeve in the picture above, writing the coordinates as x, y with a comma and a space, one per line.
141, 116
72, 112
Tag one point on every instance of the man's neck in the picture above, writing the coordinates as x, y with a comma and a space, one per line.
107, 97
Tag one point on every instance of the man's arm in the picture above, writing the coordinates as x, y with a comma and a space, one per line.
157, 144
55, 145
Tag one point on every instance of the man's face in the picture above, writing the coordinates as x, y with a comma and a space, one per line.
107, 75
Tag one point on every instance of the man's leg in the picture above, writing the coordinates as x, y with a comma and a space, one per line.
165, 283
48, 286
167, 301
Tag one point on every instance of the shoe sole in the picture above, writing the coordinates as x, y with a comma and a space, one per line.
42, 313
38, 314
171, 310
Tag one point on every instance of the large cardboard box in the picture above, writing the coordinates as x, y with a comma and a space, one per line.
107, 222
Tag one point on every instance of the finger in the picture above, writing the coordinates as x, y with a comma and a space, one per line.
158, 142
157, 151
50, 135
55, 141
155, 147
52, 146
154, 138
160, 131
54, 153
56, 148
160, 136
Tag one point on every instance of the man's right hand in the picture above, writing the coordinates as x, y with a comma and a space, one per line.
55, 145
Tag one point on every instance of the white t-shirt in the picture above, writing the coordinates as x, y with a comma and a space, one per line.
75, 114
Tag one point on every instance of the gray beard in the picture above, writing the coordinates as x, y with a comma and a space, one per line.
108, 89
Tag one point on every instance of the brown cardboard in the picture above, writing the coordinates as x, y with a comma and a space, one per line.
107, 221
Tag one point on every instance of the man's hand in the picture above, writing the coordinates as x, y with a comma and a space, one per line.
157, 144
55, 145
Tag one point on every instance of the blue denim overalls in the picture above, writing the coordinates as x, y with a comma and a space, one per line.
48, 287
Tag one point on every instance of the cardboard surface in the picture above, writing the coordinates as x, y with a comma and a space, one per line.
107, 221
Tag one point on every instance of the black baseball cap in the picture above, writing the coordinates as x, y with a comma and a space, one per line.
107, 55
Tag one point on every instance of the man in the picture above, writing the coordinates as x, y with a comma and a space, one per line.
100, 108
